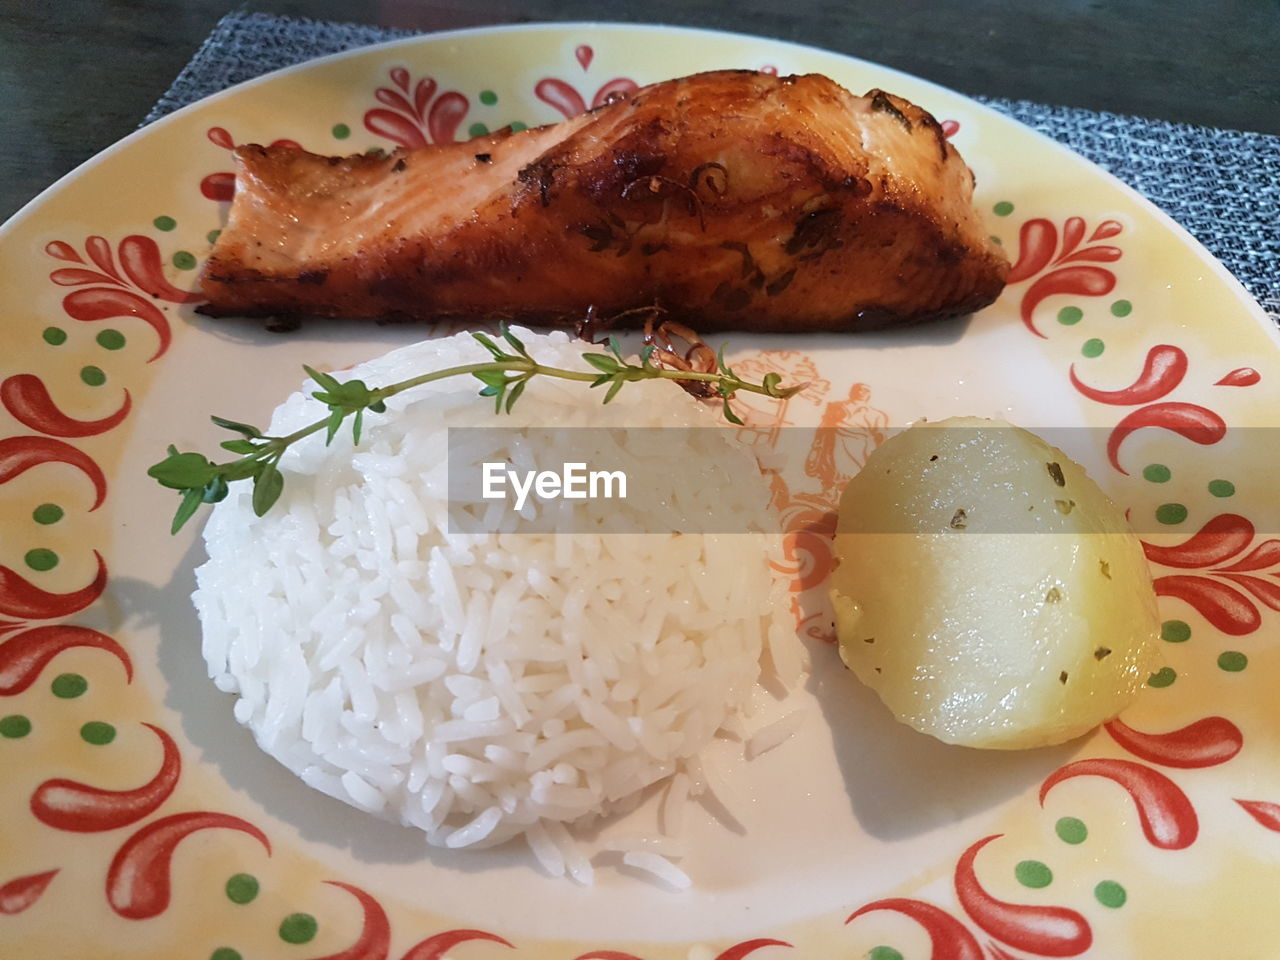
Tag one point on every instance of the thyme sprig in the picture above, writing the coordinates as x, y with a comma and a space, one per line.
504, 378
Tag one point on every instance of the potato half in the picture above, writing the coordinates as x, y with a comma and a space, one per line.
988, 590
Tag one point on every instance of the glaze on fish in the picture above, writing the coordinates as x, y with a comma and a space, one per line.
734, 199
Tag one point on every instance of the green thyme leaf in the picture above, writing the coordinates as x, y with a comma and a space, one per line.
268, 484
251, 432
238, 446
182, 471
512, 339
334, 424
489, 345
613, 390
491, 378
514, 395
191, 500
215, 490
731, 416
602, 362
325, 381
356, 424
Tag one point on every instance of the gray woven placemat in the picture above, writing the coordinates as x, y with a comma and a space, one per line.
1222, 185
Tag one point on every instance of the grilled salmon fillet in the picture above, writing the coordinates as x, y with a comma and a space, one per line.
733, 199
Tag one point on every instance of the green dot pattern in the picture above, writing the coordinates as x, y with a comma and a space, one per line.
93, 376
477, 130
1222, 488
110, 339
54, 336
1071, 830
1175, 631
1171, 513
184, 260
97, 733
1033, 873
298, 928
516, 126
68, 686
1070, 316
225, 953
1110, 894
1121, 308
1093, 347
1156, 473
883, 953
488, 98
1002, 209
341, 131
47, 513
1232, 661
213, 235
164, 223
14, 727
1163, 677
41, 559
242, 888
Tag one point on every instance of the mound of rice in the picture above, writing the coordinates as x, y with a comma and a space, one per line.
484, 686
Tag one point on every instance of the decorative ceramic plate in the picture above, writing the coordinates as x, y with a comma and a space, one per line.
137, 819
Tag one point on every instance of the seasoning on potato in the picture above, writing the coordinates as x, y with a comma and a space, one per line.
988, 590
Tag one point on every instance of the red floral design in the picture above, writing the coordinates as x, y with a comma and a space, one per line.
1050, 931
567, 100
415, 119
1240, 377
138, 884
736, 952
19, 597
20, 454
440, 946
1205, 743
1163, 370
1047, 930
1167, 817
949, 939
1230, 577
21, 892
109, 291
1265, 812
1065, 267
374, 942
221, 186
81, 808
28, 401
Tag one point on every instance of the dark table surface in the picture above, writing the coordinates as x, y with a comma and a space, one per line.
74, 81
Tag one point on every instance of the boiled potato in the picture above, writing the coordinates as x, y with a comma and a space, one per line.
988, 590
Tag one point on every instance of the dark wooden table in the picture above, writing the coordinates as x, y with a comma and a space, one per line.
79, 75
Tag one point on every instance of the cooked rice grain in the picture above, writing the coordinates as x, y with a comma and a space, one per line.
485, 686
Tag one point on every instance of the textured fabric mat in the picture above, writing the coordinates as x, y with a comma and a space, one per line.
1223, 186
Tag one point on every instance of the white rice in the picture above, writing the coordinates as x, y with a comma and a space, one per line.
491, 685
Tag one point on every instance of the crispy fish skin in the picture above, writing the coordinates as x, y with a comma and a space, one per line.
734, 199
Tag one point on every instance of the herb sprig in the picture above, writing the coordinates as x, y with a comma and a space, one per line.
504, 378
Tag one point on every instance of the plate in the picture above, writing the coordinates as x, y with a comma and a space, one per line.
139, 817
